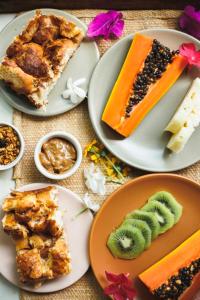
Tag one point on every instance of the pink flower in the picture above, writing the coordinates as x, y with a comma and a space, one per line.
188, 50
121, 288
110, 24
190, 21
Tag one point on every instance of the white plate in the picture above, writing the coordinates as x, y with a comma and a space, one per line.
77, 235
146, 147
80, 65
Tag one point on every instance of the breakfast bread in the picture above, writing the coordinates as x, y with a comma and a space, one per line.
36, 58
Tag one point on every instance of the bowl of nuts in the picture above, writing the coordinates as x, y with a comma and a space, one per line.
11, 146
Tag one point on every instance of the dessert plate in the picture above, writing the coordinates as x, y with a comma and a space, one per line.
81, 65
77, 235
131, 196
146, 147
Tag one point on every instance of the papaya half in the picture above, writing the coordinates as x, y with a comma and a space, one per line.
177, 275
149, 70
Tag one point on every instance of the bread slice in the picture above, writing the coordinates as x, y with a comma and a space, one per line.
36, 58
34, 222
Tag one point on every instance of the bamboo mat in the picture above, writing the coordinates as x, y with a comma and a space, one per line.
77, 122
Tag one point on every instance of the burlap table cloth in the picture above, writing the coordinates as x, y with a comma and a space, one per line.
77, 122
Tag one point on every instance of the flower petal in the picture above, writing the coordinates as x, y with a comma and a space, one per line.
95, 180
79, 92
119, 278
111, 289
188, 50
129, 291
69, 83
190, 21
106, 25
89, 204
67, 93
74, 98
79, 81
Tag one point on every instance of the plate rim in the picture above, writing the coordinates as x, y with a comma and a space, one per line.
131, 182
37, 113
106, 143
32, 186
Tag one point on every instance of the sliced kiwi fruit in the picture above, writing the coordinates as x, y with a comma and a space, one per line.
126, 242
162, 213
170, 202
143, 227
149, 218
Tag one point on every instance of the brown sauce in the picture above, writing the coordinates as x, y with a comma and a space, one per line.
57, 155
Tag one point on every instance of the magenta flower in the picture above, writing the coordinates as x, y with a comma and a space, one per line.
188, 50
121, 288
190, 21
107, 25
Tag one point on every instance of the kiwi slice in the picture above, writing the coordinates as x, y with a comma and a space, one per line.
170, 202
143, 227
126, 242
149, 218
162, 213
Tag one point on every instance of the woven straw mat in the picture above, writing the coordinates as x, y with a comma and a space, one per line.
77, 122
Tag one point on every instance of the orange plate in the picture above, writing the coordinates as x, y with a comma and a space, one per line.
131, 196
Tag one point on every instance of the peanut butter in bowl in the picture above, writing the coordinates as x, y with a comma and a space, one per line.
57, 155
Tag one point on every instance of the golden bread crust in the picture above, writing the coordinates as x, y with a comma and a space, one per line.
36, 58
33, 220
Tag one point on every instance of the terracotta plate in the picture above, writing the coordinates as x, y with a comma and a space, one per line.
131, 196
77, 235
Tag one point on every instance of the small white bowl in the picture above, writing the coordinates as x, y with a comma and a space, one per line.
21, 151
64, 135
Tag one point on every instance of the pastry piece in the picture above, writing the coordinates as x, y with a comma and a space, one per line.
32, 268
177, 275
59, 258
13, 228
36, 58
33, 220
148, 72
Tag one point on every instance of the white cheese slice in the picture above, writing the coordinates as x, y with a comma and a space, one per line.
190, 103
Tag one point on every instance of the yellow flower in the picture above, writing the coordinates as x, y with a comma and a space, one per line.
88, 147
97, 153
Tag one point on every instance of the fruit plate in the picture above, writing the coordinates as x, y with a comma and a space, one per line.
133, 195
81, 65
146, 147
77, 235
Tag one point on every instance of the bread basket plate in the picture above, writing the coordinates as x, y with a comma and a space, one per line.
77, 235
81, 65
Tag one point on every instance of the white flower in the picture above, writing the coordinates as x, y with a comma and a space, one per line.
89, 204
95, 180
73, 91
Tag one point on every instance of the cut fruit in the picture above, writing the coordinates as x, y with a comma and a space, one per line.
186, 119
174, 275
180, 139
143, 227
170, 202
149, 70
162, 213
190, 103
149, 218
126, 242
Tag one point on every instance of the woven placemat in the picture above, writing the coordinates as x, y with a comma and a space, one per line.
77, 122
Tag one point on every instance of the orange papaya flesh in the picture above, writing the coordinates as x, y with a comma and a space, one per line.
121, 90
178, 273
114, 112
